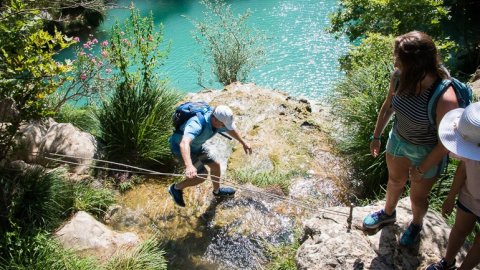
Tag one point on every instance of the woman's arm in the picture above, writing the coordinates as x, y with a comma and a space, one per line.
446, 103
384, 116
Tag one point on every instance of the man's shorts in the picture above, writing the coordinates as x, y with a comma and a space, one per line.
399, 147
199, 160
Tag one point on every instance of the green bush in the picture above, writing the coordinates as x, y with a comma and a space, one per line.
93, 200
38, 251
34, 199
135, 121
232, 47
81, 117
265, 178
357, 100
147, 256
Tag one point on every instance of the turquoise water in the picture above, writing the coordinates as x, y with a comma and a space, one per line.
301, 58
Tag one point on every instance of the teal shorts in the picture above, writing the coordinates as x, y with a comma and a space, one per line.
399, 147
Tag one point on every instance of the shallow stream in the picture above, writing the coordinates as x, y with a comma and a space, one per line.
212, 233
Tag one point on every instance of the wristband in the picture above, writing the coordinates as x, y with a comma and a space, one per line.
374, 138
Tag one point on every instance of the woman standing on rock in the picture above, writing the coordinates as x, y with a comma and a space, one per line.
413, 150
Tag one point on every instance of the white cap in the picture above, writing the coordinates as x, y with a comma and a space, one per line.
225, 115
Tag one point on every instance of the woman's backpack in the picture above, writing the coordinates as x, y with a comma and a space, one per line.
462, 91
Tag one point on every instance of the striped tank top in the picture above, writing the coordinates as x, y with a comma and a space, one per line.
411, 118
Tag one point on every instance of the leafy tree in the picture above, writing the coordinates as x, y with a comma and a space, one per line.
463, 28
67, 15
356, 18
375, 47
135, 121
28, 72
232, 47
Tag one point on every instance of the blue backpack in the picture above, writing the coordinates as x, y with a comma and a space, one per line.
462, 91
188, 110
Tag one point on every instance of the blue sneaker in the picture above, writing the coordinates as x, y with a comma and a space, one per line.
442, 265
375, 219
177, 195
224, 192
410, 236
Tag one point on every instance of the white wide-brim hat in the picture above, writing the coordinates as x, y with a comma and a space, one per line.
459, 131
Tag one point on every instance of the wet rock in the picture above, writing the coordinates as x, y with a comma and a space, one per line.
242, 243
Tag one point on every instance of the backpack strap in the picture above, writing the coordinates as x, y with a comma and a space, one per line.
201, 117
433, 100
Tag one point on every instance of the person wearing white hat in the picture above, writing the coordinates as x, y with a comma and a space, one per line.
459, 132
188, 145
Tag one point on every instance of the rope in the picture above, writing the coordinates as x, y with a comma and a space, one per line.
201, 176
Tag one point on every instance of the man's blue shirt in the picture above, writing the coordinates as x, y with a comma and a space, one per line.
193, 129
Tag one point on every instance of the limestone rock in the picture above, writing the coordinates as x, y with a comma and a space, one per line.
84, 233
76, 146
329, 245
28, 141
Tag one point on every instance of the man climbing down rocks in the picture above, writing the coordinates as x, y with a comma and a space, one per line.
195, 123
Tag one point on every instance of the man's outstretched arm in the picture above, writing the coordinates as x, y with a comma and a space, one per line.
246, 146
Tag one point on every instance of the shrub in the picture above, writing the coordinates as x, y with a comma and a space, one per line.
81, 117
135, 121
265, 178
232, 47
92, 200
34, 199
89, 77
357, 100
147, 256
38, 251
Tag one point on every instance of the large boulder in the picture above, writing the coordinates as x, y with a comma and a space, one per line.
66, 142
328, 244
28, 140
84, 233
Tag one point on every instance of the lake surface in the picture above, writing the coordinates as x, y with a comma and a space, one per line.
301, 58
